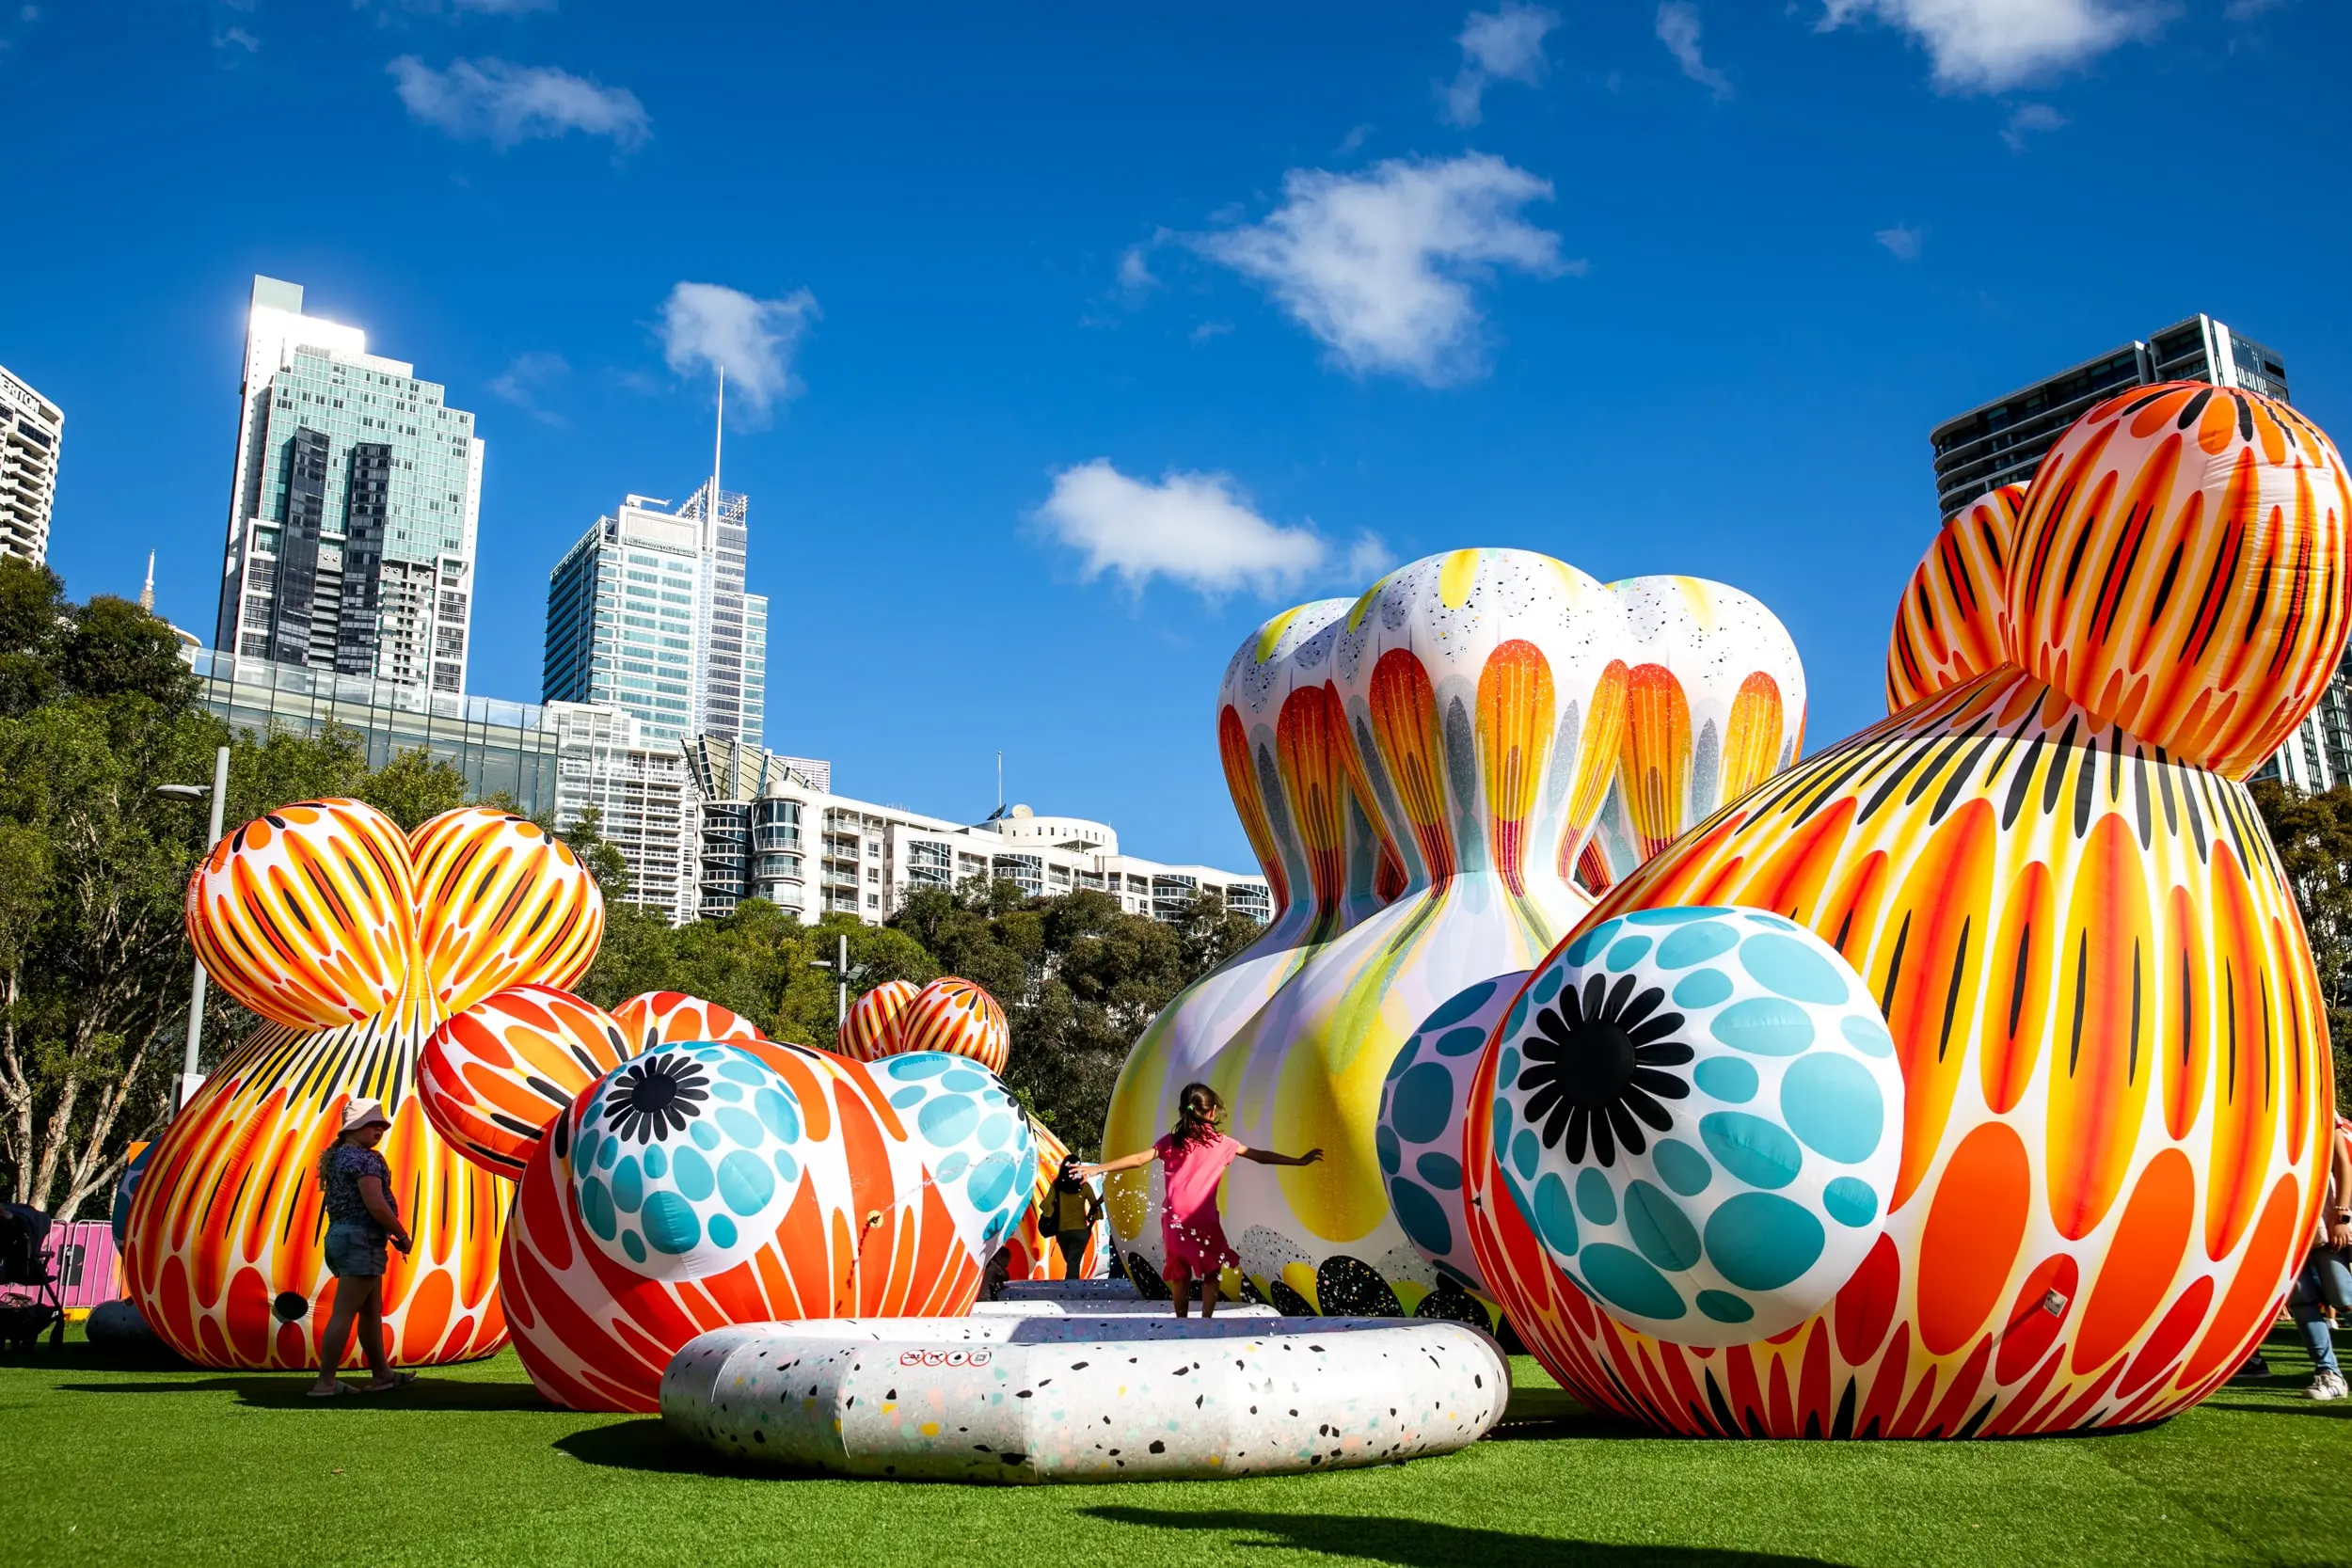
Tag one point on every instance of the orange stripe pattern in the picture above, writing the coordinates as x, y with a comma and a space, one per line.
957, 1017
1952, 625
875, 1026
350, 938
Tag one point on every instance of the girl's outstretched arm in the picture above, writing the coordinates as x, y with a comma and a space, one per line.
1125, 1162
1267, 1157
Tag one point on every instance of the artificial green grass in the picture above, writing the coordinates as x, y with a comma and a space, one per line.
102, 1463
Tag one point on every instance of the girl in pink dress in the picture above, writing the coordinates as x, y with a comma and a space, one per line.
1196, 1154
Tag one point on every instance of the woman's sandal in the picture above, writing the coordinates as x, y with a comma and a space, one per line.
336, 1391
400, 1381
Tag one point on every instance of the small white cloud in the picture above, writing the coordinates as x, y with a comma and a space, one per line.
2029, 119
1135, 273
1192, 529
1368, 558
1352, 142
2246, 10
236, 37
1678, 30
1992, 45
1902, 241
1505, 45
31, 13
488, 100
1381, 265
709, 324
1207, 330
526, 378
503, 7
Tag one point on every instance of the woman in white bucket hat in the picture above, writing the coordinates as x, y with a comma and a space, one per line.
361, 1219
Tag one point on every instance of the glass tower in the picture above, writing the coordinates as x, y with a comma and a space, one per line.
352, 508
647, 613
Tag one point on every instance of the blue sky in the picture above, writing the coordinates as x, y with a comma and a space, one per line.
1088, 335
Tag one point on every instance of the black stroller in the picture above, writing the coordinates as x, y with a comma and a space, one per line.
28, 1287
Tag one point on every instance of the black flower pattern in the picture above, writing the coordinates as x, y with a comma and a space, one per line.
1597, 1069
656, 1098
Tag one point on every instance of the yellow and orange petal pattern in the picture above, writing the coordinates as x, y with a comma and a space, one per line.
352, 939
874, 1028
2115, 1072
958, 1018
1952, 624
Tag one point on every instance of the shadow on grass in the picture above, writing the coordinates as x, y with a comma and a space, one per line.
646, 1443
1421, 1543
290, 1391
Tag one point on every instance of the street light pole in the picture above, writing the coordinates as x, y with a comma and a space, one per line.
189, 1077
839, 964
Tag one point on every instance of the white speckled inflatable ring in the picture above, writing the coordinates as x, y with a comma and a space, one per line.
1051, 1399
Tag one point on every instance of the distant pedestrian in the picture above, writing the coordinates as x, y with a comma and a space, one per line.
1071, 1209
1196, 1154
361, 1218
996, 1275
2323, 1288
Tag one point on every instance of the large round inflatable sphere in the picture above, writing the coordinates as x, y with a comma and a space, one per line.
355, 942
1952, 624
2116, 1085
957, 1017
755, 1183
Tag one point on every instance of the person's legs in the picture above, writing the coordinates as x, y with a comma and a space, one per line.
1074, 1252
372, 1342
2307, 1304
1179, 1280
336, 1336
1210, 1278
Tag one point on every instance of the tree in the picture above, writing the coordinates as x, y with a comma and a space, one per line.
413, 788
2312, 834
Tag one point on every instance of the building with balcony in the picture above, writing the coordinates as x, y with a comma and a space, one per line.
31, 430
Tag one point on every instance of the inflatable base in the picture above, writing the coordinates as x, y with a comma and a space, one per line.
1011, 1400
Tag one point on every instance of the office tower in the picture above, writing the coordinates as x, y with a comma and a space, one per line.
2003, 442
353, 507
30, 428
647, 613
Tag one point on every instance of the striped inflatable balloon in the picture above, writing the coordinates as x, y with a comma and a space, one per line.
2180, 570
958, 1018
875, 1026
1952, 625
322, 918
494, 1076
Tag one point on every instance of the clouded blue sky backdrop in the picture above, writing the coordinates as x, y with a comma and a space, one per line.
1074, 340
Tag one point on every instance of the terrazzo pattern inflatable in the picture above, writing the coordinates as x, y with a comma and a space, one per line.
1715, 703
1010, 1399
1698, 1111
355, 942
1419, 1137
2113, 1050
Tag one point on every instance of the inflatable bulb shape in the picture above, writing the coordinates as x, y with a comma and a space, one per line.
757, 1182
355, 942
2116, 1084
1419, 1138
1291, 770
958, 1018
2179, 571
1483, 692
1952, 625
1697, 1112
1715, 703
875, 1026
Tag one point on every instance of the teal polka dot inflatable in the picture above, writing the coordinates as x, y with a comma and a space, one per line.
1699, 1114
1418, 1139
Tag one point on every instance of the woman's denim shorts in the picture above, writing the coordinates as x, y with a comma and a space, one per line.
355, 1251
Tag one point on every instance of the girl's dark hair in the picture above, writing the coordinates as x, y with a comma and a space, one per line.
1197, 1110
1064, 1176
328, 1154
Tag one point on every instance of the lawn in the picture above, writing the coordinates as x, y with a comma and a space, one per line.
103, 1464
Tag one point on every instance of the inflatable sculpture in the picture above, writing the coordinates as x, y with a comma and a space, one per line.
1968, 1079
354, 942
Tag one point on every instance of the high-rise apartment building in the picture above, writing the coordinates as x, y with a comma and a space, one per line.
30, 429
647, 613
353, 507
2004, 441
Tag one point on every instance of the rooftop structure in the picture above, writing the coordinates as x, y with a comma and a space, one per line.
31, 429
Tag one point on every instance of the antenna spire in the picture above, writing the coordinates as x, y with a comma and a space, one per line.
147, 595
718, 444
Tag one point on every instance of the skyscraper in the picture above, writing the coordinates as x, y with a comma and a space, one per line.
647, 613
30, 428
352, 508
2004, 441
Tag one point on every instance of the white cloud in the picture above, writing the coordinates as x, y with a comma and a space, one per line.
236, 37
2029, 119
707, 324
488, 100
1678, 30
2246, 10
1191, 529
1902, 241
502, 8
527, 376
1991, 45
1380, 266
1134, 273
1353, 141
1505, 45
